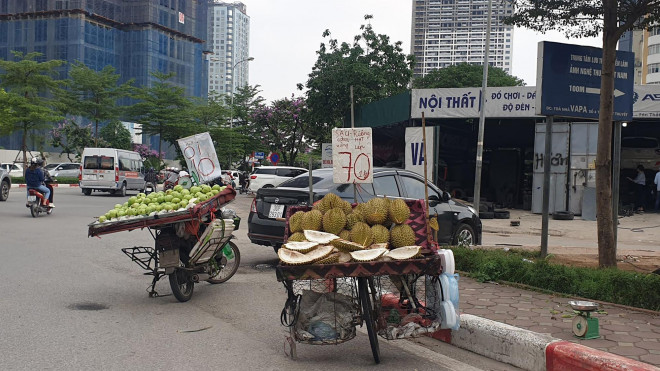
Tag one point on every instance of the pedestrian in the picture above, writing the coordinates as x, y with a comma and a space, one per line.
657, 190
640, 185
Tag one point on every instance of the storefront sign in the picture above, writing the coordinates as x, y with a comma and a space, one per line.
415, 154
515, 101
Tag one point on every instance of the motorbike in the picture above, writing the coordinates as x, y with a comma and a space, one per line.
35, 202
149, 187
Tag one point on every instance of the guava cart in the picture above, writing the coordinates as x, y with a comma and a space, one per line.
191, 245
395, 299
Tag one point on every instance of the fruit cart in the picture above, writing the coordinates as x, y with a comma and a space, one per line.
191, 245
394, 299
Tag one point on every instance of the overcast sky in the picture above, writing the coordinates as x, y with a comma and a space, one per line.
285, 35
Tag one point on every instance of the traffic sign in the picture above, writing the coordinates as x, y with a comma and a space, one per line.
274, 158
259, 155
568, 81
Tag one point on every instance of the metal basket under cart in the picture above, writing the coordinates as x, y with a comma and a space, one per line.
394, 299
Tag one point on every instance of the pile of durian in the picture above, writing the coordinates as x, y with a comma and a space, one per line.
335, 232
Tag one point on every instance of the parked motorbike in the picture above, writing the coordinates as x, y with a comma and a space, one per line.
35, 202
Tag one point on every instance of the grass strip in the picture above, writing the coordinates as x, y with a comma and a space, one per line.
612, 285
61, 180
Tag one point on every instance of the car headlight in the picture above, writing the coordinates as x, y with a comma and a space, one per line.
472, 210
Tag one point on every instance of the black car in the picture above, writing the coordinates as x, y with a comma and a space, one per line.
459, 224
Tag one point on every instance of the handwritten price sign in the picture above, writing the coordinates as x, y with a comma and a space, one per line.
352, 155
203, 164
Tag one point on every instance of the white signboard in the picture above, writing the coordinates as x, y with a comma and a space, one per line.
646, 101
199, 152
352, 155
415, 158
326, 155
515, 101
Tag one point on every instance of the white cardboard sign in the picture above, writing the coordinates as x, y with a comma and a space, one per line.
326, 155
352, 155
202, 161
415, 159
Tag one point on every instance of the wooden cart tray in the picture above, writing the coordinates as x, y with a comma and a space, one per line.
203, 208
429, 265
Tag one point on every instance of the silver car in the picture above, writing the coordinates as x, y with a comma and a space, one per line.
65, 170
5, 185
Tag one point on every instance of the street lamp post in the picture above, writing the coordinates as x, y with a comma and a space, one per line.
231, 110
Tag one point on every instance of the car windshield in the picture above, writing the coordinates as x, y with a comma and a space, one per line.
265, 171
300, 181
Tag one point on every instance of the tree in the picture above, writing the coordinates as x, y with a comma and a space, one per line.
284, 127
28, 85
163, 109
94, 94
115, 135
465, 76
72, 138
371, 64
247, 138
582, 18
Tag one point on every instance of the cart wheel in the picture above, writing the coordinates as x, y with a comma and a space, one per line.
182, 287
368, 312
226, 267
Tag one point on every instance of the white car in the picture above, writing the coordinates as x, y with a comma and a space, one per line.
12, 169
272, 176
65, 170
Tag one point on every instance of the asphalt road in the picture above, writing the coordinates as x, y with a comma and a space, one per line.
76, 303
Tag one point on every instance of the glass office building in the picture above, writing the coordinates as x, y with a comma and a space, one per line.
136, 37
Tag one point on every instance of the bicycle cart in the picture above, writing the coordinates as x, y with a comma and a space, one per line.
191, 245
394, 299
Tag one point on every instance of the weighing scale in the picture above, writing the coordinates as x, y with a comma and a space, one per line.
584, 325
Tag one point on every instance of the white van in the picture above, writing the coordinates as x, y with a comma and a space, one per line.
111, 170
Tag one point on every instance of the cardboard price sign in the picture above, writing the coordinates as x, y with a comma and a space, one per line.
203, 164
352, 155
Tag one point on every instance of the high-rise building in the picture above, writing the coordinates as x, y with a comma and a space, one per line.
229, 46
136, 37
449, 32
637, 41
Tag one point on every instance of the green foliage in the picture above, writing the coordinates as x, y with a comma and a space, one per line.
611, 285
61, 180
465, 76
164, 110
371, 64
115, 135
246, 137
72, 138
28, 84
93, 94
284, 126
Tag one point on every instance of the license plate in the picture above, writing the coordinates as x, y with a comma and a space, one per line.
276, 211
89, 176
32, 198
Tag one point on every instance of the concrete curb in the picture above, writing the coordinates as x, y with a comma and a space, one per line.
55, 185
530, 350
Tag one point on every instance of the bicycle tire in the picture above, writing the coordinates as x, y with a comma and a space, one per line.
367, 316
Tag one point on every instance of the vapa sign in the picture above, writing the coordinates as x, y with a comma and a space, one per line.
415, 156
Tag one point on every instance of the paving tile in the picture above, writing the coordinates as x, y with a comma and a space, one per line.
542, 329
648, 345
647, 335
613, 327
499, 316
653, 359
623, 338
597, 343
628, 351
478, 311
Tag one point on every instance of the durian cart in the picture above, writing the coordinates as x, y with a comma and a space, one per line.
393, 298
191, 245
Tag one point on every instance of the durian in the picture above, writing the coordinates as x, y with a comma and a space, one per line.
361, 233
399, 211
380, 234
312, 220
402, 235
295, 222
334, 221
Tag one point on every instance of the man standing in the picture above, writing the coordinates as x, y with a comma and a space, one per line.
657, 190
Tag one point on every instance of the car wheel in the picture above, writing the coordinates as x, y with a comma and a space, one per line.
563, 215
502, 214
87, 191
268, 186
464, 236
486, 215
122, 190
4, 191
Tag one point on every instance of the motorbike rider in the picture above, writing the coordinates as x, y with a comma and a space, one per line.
35, 178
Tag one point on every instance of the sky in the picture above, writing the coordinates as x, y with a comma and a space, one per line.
286, 34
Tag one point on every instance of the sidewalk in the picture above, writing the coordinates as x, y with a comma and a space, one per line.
623, 331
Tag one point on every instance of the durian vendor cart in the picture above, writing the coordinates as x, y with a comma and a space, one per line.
393, 299
191, 245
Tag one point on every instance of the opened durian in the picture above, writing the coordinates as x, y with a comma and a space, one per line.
344, 245
367, 255
319, 237
403, 253
297, 258
302, 247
